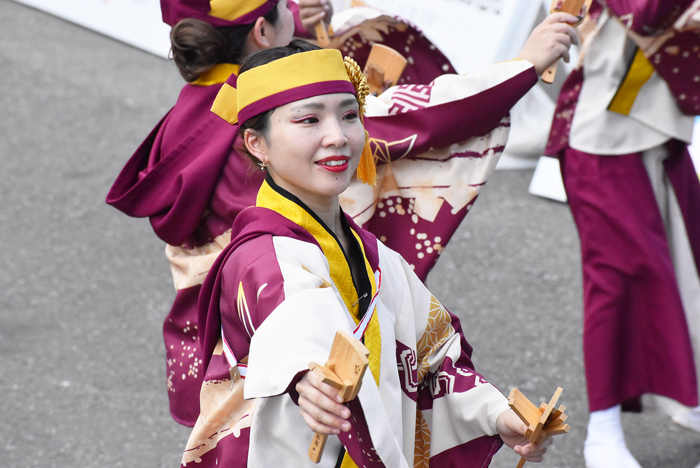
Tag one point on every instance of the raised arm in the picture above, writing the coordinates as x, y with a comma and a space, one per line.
454, 108
311, 12
451, 109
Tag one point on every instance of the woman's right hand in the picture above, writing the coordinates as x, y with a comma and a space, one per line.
321, 406
313, 11
550, 41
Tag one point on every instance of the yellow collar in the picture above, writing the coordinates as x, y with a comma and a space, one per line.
340, 271
217, 74
272, 199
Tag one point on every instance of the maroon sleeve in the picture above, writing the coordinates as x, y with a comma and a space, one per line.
252, 287
648, 17
453, 122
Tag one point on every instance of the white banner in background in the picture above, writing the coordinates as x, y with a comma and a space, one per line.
471, 33
136, 22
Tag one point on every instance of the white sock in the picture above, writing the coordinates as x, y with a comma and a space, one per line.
605, 443
689, 419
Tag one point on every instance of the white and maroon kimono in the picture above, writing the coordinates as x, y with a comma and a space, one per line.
621, 129
436, 144
277, 295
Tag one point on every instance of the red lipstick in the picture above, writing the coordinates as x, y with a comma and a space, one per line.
334, 163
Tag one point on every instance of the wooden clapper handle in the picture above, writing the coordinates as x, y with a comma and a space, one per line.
327, 376
344, 370
322, 34
567, 6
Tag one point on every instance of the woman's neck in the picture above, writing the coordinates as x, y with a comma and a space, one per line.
326, 208
328, 212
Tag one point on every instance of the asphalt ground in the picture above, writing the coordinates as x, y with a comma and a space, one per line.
84, 289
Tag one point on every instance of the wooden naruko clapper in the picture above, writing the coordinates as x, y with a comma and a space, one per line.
541, 422
383, 68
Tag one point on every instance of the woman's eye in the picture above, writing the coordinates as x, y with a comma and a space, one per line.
351, 115
306, 120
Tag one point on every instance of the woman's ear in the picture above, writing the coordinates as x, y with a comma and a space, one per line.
262, 35
256, 145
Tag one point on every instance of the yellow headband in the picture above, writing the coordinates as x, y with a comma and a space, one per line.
298, 76
286, 80
218, 13
232, 10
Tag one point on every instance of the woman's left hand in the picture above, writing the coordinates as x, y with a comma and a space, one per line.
313, 11
512, 430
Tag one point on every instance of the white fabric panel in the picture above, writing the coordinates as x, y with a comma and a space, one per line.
461, 416
389, 384
388, 446
416, 297
285, 343
500, 27
407, 323
695, 148
278, 430
655, 117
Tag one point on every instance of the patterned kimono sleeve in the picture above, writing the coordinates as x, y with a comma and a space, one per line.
456, 407
268, 297
451, 109
251, 288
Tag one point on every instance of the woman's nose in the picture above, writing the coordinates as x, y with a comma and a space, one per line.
335, 134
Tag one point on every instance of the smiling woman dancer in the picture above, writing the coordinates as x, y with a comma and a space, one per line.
437, 144
297, 270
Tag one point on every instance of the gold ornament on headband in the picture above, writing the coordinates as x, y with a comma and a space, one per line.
367, 169
358, 80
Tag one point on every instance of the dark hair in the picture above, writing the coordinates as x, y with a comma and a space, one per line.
197, 46
261, 123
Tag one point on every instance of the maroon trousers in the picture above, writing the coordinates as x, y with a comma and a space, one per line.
635, 335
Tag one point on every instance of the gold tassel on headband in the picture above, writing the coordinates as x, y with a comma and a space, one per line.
367, 169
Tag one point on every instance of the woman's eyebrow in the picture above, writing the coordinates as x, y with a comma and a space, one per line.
310, 105
320, 106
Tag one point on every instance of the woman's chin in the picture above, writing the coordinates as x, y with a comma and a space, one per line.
336, 183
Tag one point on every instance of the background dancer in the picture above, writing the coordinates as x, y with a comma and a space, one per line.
621, 129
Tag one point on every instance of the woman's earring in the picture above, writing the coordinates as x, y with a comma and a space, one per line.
263, 165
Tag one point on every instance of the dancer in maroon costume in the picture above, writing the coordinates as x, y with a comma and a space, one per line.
190, 182
621, 129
